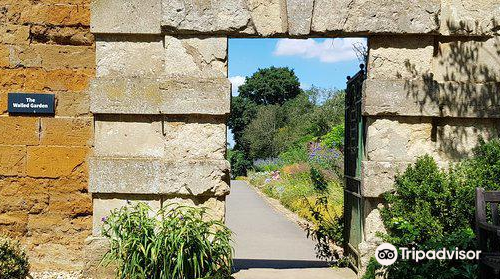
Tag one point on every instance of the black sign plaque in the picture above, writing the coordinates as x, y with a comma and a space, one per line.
31, 103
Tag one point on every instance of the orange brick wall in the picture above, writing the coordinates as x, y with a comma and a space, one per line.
46, 47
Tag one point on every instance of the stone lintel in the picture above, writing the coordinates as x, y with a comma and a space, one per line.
166, 95
155, 176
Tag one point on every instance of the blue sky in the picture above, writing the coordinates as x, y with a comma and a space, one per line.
321, 62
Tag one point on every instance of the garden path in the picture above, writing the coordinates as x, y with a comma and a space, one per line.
267, 244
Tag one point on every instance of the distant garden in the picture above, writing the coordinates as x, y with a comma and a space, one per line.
289, 144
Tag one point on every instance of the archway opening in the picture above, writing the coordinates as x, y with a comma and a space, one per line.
286, 148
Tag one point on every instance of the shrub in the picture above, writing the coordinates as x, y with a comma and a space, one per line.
267, 165
239, 163
335, 138
318, 180
426, 212
294, 155
175, 244
13, 260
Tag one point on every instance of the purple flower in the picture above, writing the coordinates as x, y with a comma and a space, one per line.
181, 217
104, 219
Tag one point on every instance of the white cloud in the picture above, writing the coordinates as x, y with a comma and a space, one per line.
236, 81
327, 51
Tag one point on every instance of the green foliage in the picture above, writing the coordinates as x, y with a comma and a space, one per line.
175, 244
318, 180
328, 229
260, 133
239, 163
13, 260
243, 112
271, 86
334, 138
294, 155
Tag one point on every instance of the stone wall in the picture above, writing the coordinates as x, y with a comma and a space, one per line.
160, 99
46, 47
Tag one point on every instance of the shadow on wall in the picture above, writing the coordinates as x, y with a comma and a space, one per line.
464, 84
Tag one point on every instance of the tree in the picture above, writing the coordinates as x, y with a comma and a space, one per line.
271, 86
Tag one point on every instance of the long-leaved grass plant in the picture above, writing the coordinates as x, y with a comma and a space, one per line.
179, 242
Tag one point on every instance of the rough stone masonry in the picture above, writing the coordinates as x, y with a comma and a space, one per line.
159, 98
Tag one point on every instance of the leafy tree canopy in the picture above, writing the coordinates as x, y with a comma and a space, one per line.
271, 86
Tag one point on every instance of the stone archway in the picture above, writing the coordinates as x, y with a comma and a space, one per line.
161, 95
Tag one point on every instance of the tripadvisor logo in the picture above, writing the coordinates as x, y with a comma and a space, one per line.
386, 254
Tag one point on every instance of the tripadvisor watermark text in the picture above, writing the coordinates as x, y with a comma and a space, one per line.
386, 254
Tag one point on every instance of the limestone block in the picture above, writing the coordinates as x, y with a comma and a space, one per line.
127, 17
94, 250
215, 205
376, 16
115, 56
196, 96
126, 136
153, 176
104, 204
400, 57
269, 16
456, 137
372, 224
198, 178
125, 95
481, 100
178, 138
401, 97
461, 17
205, 57
205, 16
378, 177
398, 139
14, 34
19, 130
165, 95
195, 138
122, 175
300, 14
52, 56
468, 60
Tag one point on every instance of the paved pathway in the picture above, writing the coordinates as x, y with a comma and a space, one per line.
268, 245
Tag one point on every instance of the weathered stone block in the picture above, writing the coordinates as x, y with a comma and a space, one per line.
269, 17
398, 139
56, 14
104, 204
130, 17
197, 178
400, 97
456, 137
152, 176
72, 104
162, 96
66, 131
196, 96
94, 250
4, 56
300, 13
14, 34
160, 137
36, 79
79, 36
378, 177
459, 17
185, 16
3, 102
467, 60
196, 57
116, 56
376, 16
52, 56
477, 100
400, 57
216, 206
19, 130
55, 161
128, 136
12, 160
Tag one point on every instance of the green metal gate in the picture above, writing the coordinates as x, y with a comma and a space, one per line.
353, 154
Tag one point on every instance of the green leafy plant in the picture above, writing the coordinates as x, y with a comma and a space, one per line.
13, 259
335, 138
176, 243
318, 180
